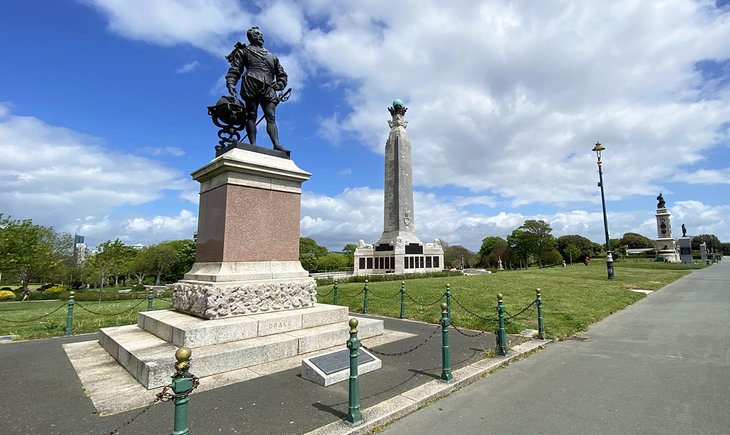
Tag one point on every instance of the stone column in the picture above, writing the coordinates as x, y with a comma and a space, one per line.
247, 258
665, 244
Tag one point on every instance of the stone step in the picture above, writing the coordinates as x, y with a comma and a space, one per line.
150, 359
185, 330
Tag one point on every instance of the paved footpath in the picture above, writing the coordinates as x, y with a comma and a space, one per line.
41, 394
662, 366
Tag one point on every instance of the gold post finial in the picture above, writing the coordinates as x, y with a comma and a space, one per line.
182, 356
353, 325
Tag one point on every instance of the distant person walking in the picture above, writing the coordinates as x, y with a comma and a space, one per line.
26, 294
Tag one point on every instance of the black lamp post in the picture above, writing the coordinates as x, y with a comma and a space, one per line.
609, 258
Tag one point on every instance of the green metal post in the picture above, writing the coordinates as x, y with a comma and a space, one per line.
540, 322
448, 299
334, 295
70, 315
402, 300
354, 416
365, 300
445, 356
501, 333
182, 385
150, 298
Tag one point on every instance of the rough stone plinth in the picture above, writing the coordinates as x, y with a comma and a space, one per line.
214, 300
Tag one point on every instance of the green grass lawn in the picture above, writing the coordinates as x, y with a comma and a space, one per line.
25, 320
573, 297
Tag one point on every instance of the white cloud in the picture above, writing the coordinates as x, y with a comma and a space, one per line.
60, 177
704, 176
205, 24
168, 150
510, 97
185, 221
188, 67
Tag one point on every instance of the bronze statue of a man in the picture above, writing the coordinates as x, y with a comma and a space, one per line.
261, 77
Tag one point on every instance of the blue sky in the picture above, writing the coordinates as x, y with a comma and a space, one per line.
103, 112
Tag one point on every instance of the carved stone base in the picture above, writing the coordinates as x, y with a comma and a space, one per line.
214, 300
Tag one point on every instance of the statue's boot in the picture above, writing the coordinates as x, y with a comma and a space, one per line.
278, 147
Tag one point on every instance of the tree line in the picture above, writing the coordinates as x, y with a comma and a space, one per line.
34, 253
39, 254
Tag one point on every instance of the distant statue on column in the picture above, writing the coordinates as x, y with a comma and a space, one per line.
684, 231
661, 203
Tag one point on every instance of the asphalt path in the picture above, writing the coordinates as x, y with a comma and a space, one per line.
661, 366
40, 392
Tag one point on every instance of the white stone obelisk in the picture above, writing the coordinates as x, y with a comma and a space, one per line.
399, 250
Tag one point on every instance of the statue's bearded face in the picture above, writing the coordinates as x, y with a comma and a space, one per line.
255, 37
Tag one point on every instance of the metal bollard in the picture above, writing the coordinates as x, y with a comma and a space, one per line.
402, 300
540, 322
501, 333
365, 300
354, 416
445, 356
150, 298
448, 299
70, 315
334, 294
182, 385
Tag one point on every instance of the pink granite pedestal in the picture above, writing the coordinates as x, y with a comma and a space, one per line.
247, 257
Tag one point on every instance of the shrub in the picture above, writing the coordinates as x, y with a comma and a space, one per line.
6, 295
55, 290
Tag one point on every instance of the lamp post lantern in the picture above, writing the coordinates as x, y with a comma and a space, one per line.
609, 258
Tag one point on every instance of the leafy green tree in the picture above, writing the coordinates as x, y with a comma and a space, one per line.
332, 261
572, 252
310, 252
349, 251
635, 241
585, 246
32, 252
104, 263
493, 248
183, 261
551, 257
712, 242
725, 249
532, 238
160, 258
457, 255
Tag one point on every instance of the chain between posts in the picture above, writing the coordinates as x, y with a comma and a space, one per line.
371, 294
425, 305
110, 314
406, 351
34, 319
464, 333
163, 396
485, 319
512, 316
